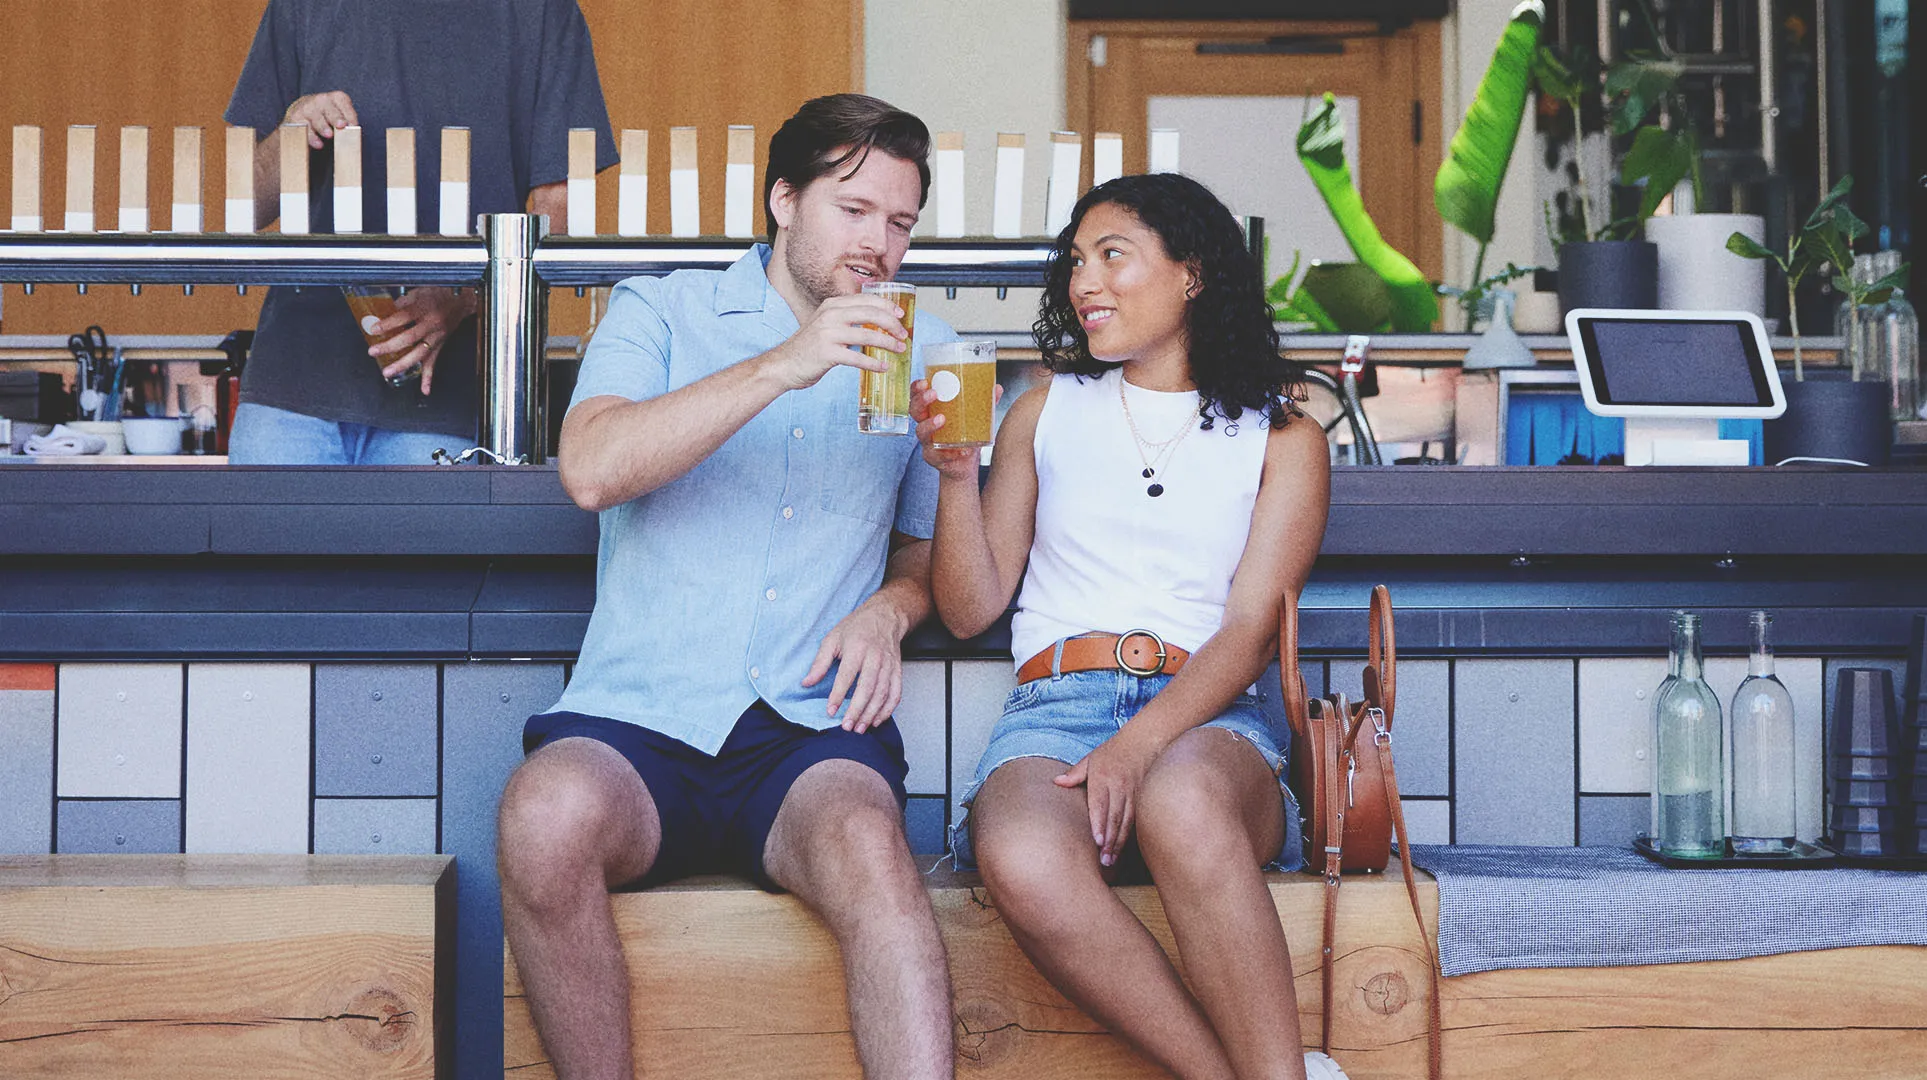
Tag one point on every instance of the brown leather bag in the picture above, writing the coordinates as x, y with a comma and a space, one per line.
1342, 774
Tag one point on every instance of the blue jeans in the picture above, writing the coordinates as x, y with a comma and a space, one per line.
264, 435
1065, 717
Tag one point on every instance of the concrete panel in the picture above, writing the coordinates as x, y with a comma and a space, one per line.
1514, 751
27, 761
1616, 723
1421, 722
375, 729
1613, 820
247, 758
923, 824
119, 731
920, 717
483, 708
1427, 821
374, 826
977, 692
120, 826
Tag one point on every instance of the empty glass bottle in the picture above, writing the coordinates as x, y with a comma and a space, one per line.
1883, 339
1687, 748
1672, 676
1763, 770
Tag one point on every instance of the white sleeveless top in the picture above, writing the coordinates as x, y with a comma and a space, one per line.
1107, 556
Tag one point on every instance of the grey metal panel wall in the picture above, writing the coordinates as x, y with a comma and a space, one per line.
26, 771
1613, 820
1513, 752
1422, 721
484, 705
374, 826
375, 730
120, 826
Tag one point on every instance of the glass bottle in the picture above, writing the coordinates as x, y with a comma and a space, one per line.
1898, 328
1687, 748
1763, 770
1672, 676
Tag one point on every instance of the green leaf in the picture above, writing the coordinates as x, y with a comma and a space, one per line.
1895, 280
1748, 248
1636, 86
1555, 78
1824, 211
1321, 146
1466, 190
1304, 307
1353, 296
1662, 159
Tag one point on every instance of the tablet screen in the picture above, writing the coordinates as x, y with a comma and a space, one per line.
1675, 362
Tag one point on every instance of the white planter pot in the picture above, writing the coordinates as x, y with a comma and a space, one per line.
1697, 273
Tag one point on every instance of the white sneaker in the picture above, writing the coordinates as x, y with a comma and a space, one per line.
1321, 1067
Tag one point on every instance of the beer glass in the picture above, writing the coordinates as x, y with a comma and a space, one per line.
883, 398
371, 304
962, 375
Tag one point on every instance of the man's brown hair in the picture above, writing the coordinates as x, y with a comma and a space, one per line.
805, 147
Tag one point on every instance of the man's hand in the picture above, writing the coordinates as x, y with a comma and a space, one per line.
1111, 776
425, 317
825, 341
868, 648
324, 113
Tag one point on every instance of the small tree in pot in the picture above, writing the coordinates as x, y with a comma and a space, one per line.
1848, 418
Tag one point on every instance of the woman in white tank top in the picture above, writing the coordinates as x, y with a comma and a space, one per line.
1156, 500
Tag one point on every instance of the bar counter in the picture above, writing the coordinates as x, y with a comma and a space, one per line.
130, 561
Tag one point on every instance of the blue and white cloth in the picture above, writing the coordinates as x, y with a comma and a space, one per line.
1525, 907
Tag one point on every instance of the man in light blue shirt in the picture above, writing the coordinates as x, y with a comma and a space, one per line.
760, 562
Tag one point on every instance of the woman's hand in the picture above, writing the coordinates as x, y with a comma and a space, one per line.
951, 462
1111, 776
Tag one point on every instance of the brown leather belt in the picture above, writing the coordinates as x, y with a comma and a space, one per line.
1139, 652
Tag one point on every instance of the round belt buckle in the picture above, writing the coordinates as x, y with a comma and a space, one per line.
1162, 653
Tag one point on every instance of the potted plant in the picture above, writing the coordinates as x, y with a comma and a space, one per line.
1844, 416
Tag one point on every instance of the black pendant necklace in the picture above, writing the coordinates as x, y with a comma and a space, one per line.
1154, 490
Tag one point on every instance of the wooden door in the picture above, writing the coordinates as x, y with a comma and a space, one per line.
1126, 76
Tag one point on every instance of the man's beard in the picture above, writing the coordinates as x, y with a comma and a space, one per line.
814, 273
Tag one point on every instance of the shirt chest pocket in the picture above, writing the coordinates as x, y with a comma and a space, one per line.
857, 474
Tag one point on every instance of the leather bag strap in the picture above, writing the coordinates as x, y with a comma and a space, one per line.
1434, 1028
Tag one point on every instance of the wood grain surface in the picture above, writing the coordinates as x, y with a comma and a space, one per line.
211, 966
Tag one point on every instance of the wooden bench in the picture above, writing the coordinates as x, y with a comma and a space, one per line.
729, 981
210, 966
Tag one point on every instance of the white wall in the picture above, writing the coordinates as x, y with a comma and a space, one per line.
980, 68
998, 65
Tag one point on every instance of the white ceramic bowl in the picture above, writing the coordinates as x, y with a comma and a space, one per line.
152, 435
106, 429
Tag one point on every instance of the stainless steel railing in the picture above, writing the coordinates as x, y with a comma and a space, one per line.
511, 261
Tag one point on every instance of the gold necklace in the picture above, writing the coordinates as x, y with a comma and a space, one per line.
1165, 449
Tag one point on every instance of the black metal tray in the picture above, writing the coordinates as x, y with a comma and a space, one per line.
1804, 856
1903, 861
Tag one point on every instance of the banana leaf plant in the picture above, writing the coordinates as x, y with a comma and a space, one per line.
1412, 307
1334, 298
1466, 189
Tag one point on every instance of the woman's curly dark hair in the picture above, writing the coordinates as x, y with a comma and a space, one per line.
1229, 336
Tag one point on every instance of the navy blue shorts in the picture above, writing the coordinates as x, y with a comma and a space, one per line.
717, 811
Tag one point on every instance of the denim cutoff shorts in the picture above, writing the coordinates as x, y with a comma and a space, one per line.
1065, 717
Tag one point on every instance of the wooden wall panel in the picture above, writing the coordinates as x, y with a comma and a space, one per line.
172, 62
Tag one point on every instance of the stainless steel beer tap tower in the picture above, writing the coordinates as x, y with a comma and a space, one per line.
513, 262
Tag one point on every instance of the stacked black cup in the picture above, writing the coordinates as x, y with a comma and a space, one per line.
1867, 765
1913, 737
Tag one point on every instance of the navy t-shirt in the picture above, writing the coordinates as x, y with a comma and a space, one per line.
517, 73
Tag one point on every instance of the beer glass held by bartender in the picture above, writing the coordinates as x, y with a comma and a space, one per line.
518, 74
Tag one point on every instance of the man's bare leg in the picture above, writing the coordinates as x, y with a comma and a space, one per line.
1207, 820
838, 844
575, 820
1033, 842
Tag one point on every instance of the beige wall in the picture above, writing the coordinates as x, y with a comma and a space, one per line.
998, 65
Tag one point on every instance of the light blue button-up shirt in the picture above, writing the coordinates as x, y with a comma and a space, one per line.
718, 588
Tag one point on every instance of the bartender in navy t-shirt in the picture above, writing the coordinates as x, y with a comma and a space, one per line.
518, 74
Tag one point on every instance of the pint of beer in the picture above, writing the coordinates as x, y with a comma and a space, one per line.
883, 402
962, 374
371, 304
